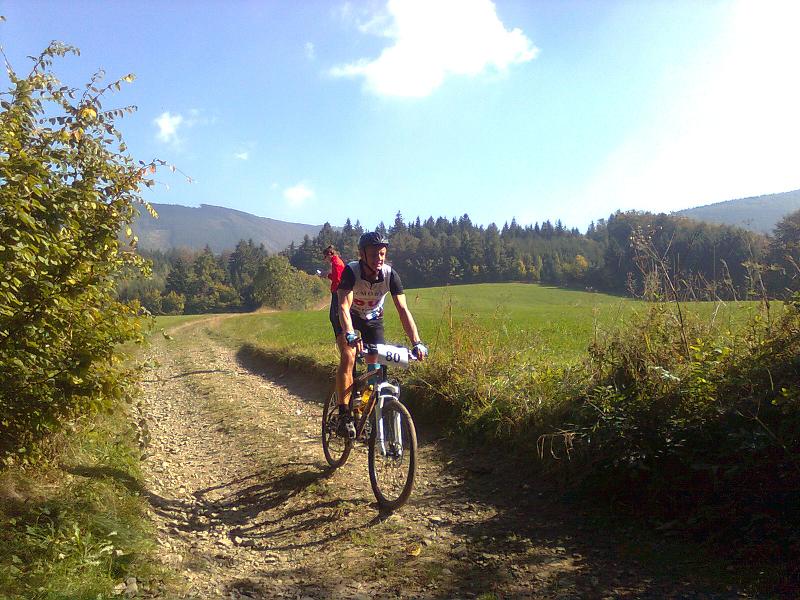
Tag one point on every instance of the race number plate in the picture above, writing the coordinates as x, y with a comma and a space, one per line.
393, 356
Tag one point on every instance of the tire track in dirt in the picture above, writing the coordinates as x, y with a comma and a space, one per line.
245, 506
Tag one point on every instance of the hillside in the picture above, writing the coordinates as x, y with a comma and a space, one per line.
215, 226
759, 213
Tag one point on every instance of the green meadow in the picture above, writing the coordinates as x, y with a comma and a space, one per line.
551, 324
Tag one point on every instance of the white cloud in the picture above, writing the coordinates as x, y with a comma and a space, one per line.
731, 133
310, 51
168, 124
241, 155
434, 39
298, 194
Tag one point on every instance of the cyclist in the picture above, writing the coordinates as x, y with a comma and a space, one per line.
335, 275
361, 293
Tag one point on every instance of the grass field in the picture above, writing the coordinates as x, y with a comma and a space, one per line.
547, 323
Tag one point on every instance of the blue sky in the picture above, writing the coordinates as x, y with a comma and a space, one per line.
317, 111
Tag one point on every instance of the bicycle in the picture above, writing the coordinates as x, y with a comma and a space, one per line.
383, 423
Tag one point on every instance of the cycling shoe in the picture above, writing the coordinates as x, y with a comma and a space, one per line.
346, 427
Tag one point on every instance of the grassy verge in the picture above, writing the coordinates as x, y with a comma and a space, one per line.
73, 522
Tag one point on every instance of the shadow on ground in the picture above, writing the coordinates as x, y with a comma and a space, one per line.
301, 377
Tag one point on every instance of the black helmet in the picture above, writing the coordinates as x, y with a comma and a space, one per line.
372, 238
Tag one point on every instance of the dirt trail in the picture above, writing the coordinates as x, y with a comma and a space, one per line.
245, 506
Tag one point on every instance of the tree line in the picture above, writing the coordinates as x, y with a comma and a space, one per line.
702, 260
191, 282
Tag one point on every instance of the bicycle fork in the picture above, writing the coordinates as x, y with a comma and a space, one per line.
386, 391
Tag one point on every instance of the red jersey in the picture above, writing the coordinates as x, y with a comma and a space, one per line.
337, 266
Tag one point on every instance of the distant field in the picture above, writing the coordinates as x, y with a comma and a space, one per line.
549, 322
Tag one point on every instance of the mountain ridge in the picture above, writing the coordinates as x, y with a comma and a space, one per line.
755, 213
220, 228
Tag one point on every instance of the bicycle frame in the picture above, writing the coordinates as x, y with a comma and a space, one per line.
362, 422
383, 391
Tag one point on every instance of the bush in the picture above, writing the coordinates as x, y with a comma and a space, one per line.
278, 284
707, 436
65, 193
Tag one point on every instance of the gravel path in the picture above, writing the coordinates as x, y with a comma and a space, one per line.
245, 506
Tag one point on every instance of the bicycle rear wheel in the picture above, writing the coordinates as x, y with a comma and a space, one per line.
336, 448
393, 460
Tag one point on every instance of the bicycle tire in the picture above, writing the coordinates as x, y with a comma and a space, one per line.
335, 447
402, 467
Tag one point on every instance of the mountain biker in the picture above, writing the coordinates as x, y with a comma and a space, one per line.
335, 275
361, 293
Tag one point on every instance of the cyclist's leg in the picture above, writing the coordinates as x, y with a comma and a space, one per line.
344, 381
344, 374
372, 333
347, 355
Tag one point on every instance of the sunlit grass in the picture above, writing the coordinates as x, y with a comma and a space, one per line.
546, 323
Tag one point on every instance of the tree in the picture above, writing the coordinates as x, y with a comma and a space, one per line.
179, 279
399, 226
172, 304
66, 191
784, 253
279, 285
243, 265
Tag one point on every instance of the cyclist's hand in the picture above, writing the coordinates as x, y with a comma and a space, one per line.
352, 339
420, 351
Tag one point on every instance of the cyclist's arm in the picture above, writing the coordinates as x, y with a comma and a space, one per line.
345, 302
409, 326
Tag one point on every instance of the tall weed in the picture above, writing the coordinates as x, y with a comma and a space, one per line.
486, 387
675, 415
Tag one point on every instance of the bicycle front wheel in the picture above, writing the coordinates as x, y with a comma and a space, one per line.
393, 456
335, 446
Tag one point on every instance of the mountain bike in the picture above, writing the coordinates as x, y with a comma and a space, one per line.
382, 422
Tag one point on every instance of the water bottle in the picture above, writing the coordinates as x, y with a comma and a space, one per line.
361, 403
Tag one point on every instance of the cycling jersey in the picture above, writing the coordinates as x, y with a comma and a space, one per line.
368, 296
337, 266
